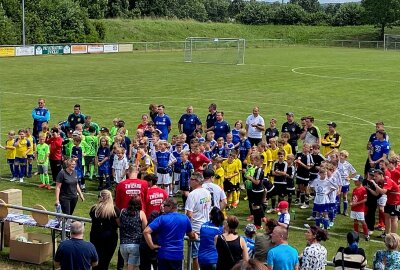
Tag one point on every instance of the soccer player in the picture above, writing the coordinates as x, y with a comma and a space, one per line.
199, 160
103, 166
347, 172
164, 160
10, 153
290, 173
311, 133
272, 131
146, 165
176, 174
211, 117
235, 133
89, 123
186, 170
78, 155
303, 162
120, 165
76, 117
232, 172
42, 156
22, 148
380, 150
220, 150
162, 122
331, 140
284, 216
279, 169
219, 172
55, 158
29, 155
92, 143
257, 190
359, 198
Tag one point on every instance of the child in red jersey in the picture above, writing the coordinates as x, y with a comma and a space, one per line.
359, 198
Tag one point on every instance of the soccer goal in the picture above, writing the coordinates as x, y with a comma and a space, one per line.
214, 50
391, 42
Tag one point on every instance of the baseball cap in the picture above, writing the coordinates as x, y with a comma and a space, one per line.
70, 130
104, 129
283, 205
371, 171
333, 124
290, 113
250, 228
357, 178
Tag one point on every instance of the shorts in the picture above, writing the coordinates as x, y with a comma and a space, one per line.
10, 161
195, 249
79, 172
164, 264
392, 210
320, 208
382, 200
89, 160
131, 254
19, 160
357, 215
103, 171
42, 169
176, 177
345, 189
302, 181
279, 190
30, 157
163, 179
228, 186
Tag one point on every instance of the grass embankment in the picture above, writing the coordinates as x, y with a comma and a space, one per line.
118, 30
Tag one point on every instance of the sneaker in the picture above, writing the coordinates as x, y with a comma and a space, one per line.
383, 235
234, 205
382, 229
13, 179
345, 214
331, 224
367, 238
311, 218
42, 185
298, 203
21, 180
48, 187
250, 218
269, 211
370, 232
304, 206
246, 198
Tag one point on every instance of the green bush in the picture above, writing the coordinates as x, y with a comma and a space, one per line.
255, 13
289, 14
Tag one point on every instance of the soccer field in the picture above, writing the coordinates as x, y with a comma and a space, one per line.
352, 87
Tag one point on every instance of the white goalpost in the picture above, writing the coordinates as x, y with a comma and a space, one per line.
391, 42
214, 50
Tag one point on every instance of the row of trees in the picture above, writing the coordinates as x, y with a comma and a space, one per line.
54, 21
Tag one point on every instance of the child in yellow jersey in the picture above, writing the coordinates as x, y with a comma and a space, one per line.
146, 165
219, 172
286, 146
231, 178
281, 143
45, 130
10, 152
22, 148
30, 156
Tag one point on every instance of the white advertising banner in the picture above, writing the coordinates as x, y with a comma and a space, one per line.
95, 48
110, 48
25, 51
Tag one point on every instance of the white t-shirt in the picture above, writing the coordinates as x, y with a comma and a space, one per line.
120, 166
345, 169
254, 133
199, 203
322, 189
217, 194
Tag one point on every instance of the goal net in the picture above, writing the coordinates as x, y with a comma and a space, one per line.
391, 42
214, 50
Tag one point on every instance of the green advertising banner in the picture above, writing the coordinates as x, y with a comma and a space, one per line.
52, 49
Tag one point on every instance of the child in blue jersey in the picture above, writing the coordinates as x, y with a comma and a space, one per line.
182, 139
284, 216
199, 135
186, 168
220, 150
249, 233
334, 197
229, 145
164, 161
235, 133
77, 155
103, 166
244, 150
347, 172
177, 168
207, 149
174, 140
322, 188
210, 138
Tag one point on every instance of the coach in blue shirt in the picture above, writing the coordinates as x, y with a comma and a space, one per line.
221, 127
163, 123
188, 123
282, 256
40, 115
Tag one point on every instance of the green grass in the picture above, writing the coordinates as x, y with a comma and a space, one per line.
118, 30
352, 87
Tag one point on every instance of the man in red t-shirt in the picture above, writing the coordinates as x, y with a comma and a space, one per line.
126, 189
55, 157
392, 208
359, 198
155, 195
198, 159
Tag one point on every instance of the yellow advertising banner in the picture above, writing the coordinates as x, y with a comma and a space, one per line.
7, 51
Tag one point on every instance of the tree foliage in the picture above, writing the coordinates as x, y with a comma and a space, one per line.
307, 5
349, 14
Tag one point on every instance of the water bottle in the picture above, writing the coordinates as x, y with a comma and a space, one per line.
58, 211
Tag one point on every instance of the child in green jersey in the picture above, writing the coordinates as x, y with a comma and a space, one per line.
42, 156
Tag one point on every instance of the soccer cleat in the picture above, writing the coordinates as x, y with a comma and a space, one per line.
269, 211
311, 218
21, 180
367, 238
42, 186
304, 206
383, 235
13, 179
370, 232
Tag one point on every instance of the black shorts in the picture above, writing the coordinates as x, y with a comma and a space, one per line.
392, 210
302, 182
228, 186
279, 190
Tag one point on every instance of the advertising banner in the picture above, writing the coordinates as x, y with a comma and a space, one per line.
25, 51
125, 47
52, 49
7, 51
95, 48
79, 49
110, 48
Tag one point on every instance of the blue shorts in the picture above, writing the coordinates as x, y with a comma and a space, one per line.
131, 254
30, 157
321, 208
164, 264
10, 161
18, 161
79, 172
332, 206
195, 249
104, 171
345, 189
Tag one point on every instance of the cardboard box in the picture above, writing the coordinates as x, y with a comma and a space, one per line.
11, 229
37, 250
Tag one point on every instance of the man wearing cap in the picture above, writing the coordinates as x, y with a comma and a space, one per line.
282, 255
40, 115
392, 208
293, 129
218, 196
311, 134
380, 150
197, 208
331, 140
76, 117
255, 126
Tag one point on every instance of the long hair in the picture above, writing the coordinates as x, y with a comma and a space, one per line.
104, 208
135, 204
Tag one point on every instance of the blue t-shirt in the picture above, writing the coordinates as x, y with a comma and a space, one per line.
186, 171
235, 136
76, 254
207, 250
40, 116
221, 129
171, 229
163, 123
102, 153
282, 257
189, 123
162, 159
77, 153
220, 152
177, 164
379, 148
250, 246
244, 148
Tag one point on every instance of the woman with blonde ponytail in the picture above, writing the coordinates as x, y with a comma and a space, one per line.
105, 222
